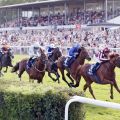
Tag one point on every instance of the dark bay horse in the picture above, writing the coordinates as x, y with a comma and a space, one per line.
6, 60
83, 54
105, 73
37, 71
51, 65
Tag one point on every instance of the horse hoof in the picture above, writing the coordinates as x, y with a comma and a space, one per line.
111, 97
1, 74
58, 82
72, 85
54, 80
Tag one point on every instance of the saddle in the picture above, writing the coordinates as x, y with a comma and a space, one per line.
31, 62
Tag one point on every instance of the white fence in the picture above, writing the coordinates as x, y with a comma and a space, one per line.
90, 101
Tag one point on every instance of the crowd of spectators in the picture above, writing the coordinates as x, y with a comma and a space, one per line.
75, 17
81, 17
62, 37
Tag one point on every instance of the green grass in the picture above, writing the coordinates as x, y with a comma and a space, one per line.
11, 83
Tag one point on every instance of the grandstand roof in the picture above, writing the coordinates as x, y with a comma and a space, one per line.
31, 3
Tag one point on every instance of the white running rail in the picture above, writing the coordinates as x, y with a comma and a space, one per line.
90, 101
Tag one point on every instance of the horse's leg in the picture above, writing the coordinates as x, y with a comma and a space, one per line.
111, 91
63, 76
77, 81
116, 86
6, 69
1, 74
91, 91
51, 76
69, 76
39, 81
57, 76
85, 87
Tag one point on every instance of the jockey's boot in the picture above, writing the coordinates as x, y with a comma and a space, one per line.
95, 68
66, 62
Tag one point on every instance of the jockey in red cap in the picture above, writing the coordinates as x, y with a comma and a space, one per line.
5, 47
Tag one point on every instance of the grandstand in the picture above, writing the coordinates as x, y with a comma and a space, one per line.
58, 12
59, 22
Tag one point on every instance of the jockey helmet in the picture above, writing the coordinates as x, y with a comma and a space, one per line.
106, 50
52, 46
76, 45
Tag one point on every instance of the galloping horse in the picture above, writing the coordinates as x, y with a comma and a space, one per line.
6, 60
51, 65
104, 75
83, 54
37, 71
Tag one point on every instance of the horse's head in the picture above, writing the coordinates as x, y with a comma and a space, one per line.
56, 53
83, 54
43, 58
115, 59
10, 54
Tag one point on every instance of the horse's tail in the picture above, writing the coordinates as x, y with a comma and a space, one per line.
15, 68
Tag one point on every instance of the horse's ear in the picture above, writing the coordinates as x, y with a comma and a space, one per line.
82, 48
41, 50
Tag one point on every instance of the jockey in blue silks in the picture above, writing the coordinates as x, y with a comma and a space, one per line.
50, 50
72, 54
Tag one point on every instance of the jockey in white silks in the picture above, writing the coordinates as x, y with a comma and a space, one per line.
34, 52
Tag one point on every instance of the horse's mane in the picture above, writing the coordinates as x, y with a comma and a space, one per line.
79, 51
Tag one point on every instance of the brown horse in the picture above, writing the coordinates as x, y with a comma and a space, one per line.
105, 74
51, 65
37, 71
83, 54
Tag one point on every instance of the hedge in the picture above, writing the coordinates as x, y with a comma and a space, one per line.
49, 105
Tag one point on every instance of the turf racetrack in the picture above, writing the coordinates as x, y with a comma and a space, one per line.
10, 82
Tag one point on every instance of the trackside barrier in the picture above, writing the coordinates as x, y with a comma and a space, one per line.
90, 101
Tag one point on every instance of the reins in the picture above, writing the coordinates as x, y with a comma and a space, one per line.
40, 70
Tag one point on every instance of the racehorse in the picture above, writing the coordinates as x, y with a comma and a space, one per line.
51, 65
37, 71
104, 75
80, 59
6, 60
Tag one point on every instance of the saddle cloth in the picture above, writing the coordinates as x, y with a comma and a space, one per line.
30, 62
93, 74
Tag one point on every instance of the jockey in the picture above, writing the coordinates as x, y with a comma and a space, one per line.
4, 49
72, 54
50, 50
33, 53
103, 56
